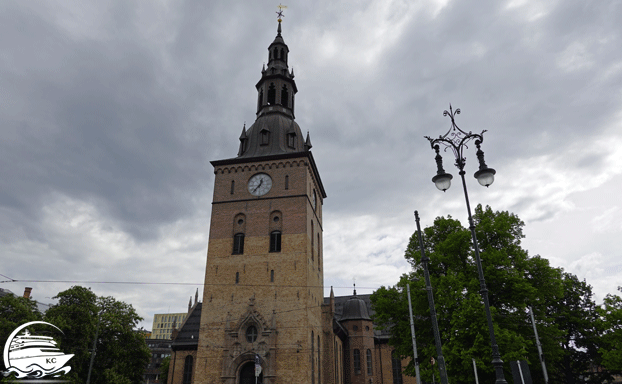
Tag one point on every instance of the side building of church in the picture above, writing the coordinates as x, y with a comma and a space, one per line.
263, 301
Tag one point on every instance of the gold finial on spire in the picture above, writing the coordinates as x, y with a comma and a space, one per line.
279, 13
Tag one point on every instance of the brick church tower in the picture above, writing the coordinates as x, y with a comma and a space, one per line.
264, 280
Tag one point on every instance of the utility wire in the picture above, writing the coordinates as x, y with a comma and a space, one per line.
175, 283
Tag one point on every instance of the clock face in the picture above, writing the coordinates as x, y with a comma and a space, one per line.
259, 184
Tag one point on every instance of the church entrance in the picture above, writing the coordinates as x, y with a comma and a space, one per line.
247, 374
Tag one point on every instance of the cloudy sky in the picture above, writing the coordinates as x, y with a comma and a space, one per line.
110, 112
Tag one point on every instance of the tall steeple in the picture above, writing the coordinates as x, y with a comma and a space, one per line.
274, 131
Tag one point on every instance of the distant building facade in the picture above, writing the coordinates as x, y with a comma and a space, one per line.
164, 324
160, 349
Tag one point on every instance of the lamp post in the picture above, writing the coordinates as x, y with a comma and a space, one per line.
428, 286
457, 140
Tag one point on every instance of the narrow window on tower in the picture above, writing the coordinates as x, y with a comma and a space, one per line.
286, 182
260, 100
319, 249
265, 137
237, 277
282, 55
369, 363
291, 140
284, 97
275, 241
272, 276
357, 361
319, 375
232, 186
271, 94
238, 244
312, 244
312, 358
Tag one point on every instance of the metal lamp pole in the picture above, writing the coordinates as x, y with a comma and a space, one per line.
428, 286
456, 139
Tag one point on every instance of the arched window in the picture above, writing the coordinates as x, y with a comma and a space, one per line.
284, 97
356, 354
251, 334
275, 241
369, 363
282, 56
286, 181
271, 94
238, 244
187, 378
272, 276
232, 186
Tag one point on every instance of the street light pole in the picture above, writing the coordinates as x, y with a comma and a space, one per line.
428, 286
456, 139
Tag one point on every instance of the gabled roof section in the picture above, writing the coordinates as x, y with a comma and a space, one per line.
188, 336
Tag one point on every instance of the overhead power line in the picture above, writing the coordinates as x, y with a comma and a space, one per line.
176, 283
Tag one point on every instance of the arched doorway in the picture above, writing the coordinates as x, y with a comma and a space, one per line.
247, 374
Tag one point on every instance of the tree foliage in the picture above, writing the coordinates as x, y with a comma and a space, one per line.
611, 346
568, 321
14, 311
121, 352
166, 362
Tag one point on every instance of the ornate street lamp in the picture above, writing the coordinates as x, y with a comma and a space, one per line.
456, 139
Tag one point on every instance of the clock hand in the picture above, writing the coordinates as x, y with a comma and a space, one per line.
259, 185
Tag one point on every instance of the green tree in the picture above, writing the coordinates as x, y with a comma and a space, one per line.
14, 311
611, 347
121, 352
166, 362
576, 316
514, 280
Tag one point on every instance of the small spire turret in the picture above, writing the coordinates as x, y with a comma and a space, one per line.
308, 142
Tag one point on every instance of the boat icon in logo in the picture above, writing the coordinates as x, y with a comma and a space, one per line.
33, 356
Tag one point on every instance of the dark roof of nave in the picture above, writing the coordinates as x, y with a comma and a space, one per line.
188, 336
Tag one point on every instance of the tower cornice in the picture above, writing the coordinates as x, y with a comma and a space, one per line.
293, 155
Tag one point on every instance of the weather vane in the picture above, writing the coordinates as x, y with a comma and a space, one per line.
279, 13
